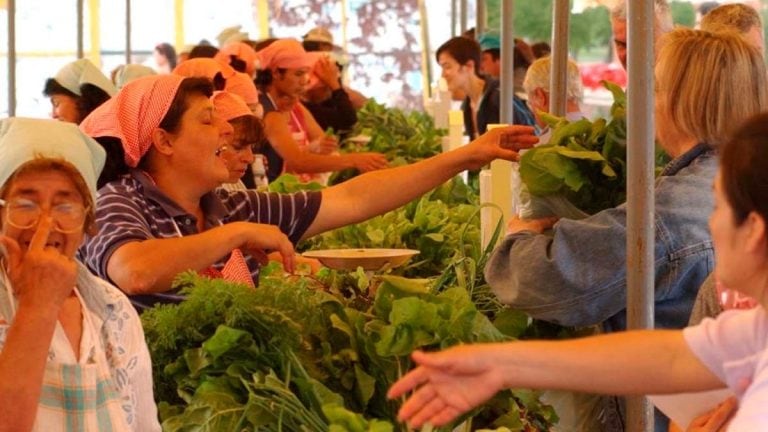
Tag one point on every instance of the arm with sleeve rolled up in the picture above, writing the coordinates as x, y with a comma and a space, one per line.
279, 137
346, 203
449, 383
150, 266
575, 277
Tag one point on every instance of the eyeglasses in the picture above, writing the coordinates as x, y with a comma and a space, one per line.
22, 213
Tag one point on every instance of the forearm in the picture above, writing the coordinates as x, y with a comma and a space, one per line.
639, 362
26, 349
392, 187
150, 266
306, 162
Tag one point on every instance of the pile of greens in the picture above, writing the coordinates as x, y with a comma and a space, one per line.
584, 161
403, 137
294, 356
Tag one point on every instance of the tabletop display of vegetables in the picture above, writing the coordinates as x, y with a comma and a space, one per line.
584, 161
294, 355
403, 137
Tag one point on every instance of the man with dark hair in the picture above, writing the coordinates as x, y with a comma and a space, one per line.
460, 60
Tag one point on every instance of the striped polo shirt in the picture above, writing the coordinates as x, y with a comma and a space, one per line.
134, 209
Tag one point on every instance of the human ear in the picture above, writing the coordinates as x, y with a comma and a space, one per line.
755, 233
162, 142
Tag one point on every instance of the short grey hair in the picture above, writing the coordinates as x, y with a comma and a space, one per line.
661, 9
538, 76
735, 16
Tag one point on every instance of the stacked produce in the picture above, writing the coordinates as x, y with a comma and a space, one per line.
403, 137
584, 161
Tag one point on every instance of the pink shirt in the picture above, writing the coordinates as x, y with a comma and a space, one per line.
734, 346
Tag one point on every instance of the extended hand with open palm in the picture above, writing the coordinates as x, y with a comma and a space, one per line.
447, 384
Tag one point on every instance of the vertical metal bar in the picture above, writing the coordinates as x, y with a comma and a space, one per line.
507, 114
453, 17
127, 31
426, 64
480, 17
11, 58
80, 50
463, 16
640, 202
178, 15
559, 78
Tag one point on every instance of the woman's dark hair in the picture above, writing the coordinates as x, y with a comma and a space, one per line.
237, 64
461, 49
169, 52
114, 165
219, 82
188, 87
743, 173
252, 131
203, 51
92, 96
264, 77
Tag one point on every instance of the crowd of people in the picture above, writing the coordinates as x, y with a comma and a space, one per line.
146, 174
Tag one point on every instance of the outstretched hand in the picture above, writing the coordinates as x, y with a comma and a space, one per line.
260, 237
500, 143
447, 384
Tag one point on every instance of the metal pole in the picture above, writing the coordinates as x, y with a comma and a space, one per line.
453, 17
507, 114
640, 181
463, 16
127, 31
480, 17
426, 64
558, 87
11, 58
80, 51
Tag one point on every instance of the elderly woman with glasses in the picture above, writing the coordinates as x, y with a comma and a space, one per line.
72, 351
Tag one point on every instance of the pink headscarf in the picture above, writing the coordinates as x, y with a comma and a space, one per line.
242, 51
204, 67
133, 114
229, 106
285, 53
243, 86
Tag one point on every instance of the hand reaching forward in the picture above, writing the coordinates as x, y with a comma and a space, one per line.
447, 384
500, 143
716, 420
365, 162
42, 275
258, 238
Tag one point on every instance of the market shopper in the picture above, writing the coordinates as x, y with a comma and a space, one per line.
72, 350
459, 59
243, 141
163, 218
576, 276
662, 24
728, 352
327, 100
737, 17
76, 90
537, 83
296, 143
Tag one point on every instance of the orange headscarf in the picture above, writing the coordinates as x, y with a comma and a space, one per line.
242, 51
204, 67
243, 86
285, 53
229, 106
134, 113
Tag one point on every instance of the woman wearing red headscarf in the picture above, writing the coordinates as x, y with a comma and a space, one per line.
296, 143
168, 214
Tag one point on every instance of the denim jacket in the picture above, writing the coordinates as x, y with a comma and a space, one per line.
577, 275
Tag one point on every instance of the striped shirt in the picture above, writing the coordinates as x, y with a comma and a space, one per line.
134, 209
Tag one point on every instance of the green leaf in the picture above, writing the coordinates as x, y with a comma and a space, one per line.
366, 385
511, 322
224, 340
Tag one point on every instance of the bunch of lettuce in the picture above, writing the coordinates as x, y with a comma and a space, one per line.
584, 161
